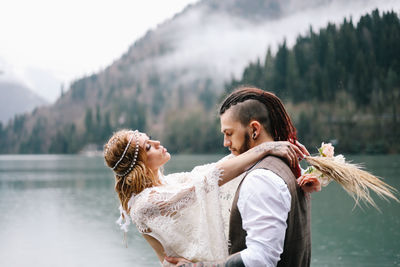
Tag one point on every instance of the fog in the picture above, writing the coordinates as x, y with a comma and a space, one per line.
45, 43
205, 44
219, 45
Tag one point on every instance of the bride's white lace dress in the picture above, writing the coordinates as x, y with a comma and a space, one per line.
188, 214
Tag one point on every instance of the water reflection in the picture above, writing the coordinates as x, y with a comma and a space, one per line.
61, 211
345, 235
48, 171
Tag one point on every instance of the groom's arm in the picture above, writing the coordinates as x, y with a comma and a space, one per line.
234, 260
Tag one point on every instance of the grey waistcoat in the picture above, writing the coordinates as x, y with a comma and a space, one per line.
297, 246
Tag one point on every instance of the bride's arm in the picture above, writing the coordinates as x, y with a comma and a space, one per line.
156, 245
233, 167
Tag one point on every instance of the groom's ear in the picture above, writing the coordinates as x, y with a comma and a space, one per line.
255, 129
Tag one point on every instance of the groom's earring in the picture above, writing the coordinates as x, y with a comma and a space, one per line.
254, 135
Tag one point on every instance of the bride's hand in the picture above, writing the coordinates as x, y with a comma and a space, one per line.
302, 148
286, 150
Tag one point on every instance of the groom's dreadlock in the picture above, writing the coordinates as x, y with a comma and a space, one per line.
273, 115
280, 125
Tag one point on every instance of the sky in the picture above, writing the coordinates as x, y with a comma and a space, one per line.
45, 44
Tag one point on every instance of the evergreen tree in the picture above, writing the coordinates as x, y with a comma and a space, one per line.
360, 62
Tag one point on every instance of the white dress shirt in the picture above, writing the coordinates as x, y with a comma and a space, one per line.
264, 204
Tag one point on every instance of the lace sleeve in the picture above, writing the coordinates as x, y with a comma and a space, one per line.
185, 217
163, 201
180, 191
168, 204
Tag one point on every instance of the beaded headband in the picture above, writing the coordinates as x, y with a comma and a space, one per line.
135, 134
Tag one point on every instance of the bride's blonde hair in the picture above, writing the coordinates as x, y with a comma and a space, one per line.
139, 177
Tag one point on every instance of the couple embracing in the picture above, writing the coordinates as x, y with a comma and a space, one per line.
182, 215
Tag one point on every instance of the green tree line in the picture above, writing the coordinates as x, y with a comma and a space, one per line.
343, 83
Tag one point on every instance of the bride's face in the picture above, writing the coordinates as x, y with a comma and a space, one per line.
157, 155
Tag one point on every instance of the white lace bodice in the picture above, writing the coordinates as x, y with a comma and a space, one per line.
184, 214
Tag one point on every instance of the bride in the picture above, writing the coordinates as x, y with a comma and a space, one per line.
178, 214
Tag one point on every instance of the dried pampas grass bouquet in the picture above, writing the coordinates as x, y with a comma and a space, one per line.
357, 182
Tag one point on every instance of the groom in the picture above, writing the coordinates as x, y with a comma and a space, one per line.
270, 215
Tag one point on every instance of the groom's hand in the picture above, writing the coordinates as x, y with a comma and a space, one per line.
234, 260
177, 261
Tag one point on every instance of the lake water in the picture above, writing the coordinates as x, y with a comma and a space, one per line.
60, 210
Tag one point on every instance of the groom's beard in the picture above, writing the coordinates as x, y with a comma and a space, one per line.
246, 144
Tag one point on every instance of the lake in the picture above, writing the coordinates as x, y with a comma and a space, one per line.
60, 210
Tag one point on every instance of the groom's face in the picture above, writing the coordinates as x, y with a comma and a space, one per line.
236, 136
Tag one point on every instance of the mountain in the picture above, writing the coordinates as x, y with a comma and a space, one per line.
16, 99
341, 83
169, 81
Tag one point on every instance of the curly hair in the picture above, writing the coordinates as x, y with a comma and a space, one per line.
139, 178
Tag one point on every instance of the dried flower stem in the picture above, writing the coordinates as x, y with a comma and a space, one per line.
354, 180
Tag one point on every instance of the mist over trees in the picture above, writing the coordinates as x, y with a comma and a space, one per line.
341, 83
